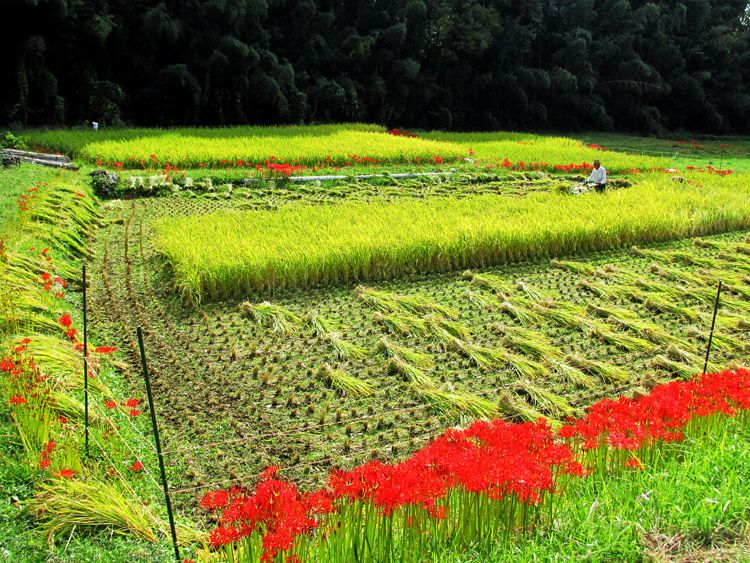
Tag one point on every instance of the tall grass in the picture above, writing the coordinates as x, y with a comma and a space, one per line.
233, 253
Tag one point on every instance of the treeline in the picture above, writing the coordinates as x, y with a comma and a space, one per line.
470, 64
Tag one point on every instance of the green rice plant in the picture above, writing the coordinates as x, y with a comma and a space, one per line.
604, 371
451, 402
231, 253
545, 399
403, 324
282, 320
393, 350
571, 374
345, 383
489, 281
411, 373
453, 328
67, 505
580, 268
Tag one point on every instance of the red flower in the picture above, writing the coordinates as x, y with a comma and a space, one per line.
71, 333
110, 404
633, 463
65, 320
137, 466
44, 463
105, 349
17, 400
66, 473
62, 419
214, 499
46, 276
134, 412
132, 403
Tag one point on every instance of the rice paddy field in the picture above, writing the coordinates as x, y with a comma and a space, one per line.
317, 335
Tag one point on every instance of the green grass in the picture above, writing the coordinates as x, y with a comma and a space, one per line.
693, 506
233, 253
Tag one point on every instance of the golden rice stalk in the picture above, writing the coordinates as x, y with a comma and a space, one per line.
489, 281
661, 304
454, 328
345, 383
533, 293
411, 373
449, 403
676, 368
721, 342
516, 407
621, 340
604, 371
572, 375
545, 399
344, 349
281, 319
402, 324
393, 350
480, 300
519, 309
581, 268
321, 325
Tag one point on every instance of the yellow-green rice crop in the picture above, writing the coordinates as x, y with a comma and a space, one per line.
529, 148
236, 253
252, 145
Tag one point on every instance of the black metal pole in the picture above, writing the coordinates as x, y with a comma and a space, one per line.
713, 323
85, 364
163, 473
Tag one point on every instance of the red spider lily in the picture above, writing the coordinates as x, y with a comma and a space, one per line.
62, 419
44, 463
46, 276
65, 320
71, 333
633, 463
17, 400
105, 349
80, 195
131, 403
214, 499
137, 466
110, 404
134, 412
66, 473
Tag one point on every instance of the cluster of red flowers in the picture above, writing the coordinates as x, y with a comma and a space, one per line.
521, 165
24, 200
711, 170
279, 169
597, 147
401, 133
499, 460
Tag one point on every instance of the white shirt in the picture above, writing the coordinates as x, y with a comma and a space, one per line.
598, 175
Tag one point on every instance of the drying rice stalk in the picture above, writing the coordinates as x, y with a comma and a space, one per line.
489, 281
347, 384
344, 349
661, 304
721, 342
621, 340
453, 328
281, 319
321, 326
532, 293
517, 408
604, 371
573, 375
449, 403
545, 399
411, 373
520, 309
676, 368
480, 300
581, 268
403, 324
393, 350
527, 341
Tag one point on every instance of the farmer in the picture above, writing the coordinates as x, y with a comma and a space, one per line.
598, 177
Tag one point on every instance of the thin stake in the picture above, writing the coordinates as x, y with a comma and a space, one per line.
85, 365
713, 323
163, 473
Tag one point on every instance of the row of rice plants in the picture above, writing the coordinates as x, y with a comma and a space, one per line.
226, 253
41, 379
482, 483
